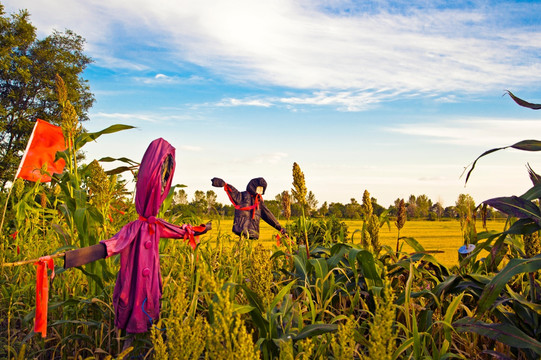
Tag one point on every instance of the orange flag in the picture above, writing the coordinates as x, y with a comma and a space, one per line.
45, 141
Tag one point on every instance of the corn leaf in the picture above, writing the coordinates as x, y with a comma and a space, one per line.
87, 137
496, 285
503, 333
314, 330
523, 103
516, 207
526, 145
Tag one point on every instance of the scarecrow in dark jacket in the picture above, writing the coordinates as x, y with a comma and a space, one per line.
138, 287
249, 207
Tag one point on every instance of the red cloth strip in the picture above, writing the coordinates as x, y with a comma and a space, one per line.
189, 235
42, 293
151, 220
255, 206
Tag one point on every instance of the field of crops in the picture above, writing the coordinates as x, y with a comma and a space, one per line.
320, 293
445, 236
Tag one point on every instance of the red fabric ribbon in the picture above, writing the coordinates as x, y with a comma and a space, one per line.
254, 207
151, 220
189, 235
42, 293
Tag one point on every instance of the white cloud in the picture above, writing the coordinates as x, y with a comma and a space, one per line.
342, 100
139, 117
271, 158
295, 44
472, 131
191, 148
260, 159
162, 79
245, 102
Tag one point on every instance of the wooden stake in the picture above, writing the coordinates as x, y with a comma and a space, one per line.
24, 262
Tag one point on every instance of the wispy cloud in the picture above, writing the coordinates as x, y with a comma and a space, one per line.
246, 102
335, 51
191, 148
140, 117
162, 79
271, 158
264, 158
472, 131
341, 100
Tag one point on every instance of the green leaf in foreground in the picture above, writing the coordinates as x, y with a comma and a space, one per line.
87, 137
503, 333
496, 285
525, 145
315, 329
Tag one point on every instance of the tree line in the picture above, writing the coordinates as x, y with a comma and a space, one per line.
285, 206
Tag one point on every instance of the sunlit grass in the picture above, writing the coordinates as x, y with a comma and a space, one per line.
443, 236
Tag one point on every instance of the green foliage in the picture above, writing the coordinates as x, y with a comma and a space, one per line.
232, 298
324, 232
28, 67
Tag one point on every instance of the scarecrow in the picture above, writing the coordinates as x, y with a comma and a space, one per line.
249, 207
138, 288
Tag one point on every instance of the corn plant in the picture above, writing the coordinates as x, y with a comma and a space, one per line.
508, 296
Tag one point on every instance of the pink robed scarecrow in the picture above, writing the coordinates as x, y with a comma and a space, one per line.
138, 288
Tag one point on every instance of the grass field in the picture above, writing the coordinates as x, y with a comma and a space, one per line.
444, 236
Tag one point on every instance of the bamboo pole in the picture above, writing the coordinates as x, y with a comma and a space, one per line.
24, 262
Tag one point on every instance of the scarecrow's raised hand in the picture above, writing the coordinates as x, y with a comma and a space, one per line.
217, 182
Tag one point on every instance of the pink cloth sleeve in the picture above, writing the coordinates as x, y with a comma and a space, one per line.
168, 230
123, 238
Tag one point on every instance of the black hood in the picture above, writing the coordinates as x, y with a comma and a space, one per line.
254, 183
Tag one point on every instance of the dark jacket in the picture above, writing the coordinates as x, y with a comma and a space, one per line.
249, 208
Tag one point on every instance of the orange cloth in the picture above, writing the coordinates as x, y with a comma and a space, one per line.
45, 141
42, 293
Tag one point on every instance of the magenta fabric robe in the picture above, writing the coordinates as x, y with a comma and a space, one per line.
138, 288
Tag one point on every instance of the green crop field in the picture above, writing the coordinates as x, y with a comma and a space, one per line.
443, 236
326, 294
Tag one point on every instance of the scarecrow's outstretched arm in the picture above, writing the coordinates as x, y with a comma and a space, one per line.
84, 255
176, 232
269, 218
202, 229
234, 194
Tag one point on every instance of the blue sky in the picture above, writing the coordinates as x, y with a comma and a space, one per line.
395, 97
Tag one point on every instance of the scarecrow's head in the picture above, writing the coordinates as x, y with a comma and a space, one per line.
256, 183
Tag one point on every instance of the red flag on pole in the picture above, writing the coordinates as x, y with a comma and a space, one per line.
45, 141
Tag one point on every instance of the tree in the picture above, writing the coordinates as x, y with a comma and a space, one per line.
411, 207
465, 207
28, 67
199, 203
353, 210
324, 209
180, 198
376, 208
299, 185
211, 200
337, 210
450, 212
275, 207
423, 205
437, 210
311, 202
